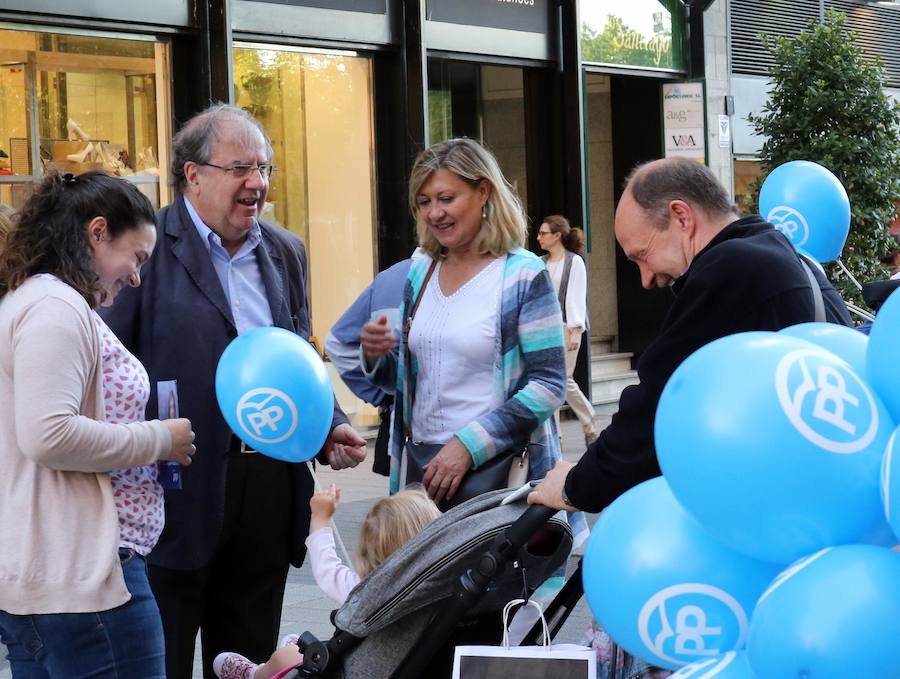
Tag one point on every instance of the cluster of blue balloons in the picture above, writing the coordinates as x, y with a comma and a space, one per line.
274, 392
809, 205
765, 548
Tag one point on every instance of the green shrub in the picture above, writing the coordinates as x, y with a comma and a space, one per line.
827, 105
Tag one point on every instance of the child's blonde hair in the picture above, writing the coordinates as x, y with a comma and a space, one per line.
390, 524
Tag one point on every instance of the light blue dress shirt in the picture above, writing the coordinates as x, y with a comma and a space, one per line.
240, 275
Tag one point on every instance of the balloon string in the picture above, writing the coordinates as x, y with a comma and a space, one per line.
862, 313
849, 275
334, 528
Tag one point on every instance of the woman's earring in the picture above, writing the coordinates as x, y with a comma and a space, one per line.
484, 211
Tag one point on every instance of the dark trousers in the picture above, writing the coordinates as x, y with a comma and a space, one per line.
235, 602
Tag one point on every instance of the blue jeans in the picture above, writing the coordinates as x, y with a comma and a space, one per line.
126, 641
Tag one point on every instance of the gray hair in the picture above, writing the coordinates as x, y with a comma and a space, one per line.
195, 141
657, 183
503, 228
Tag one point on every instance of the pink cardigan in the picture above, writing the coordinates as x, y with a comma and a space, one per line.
58, 526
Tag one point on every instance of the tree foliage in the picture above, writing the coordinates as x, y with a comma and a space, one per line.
827, 105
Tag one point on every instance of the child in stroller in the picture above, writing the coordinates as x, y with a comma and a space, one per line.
390, 523
444, 587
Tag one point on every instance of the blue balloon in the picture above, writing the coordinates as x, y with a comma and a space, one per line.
833, 615
731, 665
847, 343
890, 482
774, 445
275, 394
882, 364
663, 587
809, 205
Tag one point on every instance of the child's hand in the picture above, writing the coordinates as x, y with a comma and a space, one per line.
323, 506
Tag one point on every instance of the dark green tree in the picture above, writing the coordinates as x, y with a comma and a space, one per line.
827, 105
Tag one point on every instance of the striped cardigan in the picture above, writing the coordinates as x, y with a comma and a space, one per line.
529, 370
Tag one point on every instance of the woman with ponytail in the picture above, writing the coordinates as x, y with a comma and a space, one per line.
564, 244
78, 494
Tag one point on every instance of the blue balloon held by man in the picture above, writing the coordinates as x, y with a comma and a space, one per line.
832, 615
662, 586
731, 665
274, 392
807, 203
774, 445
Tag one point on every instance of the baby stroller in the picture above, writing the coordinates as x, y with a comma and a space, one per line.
443, 588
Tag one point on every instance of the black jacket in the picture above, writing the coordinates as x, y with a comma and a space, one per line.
178, 323
747, 278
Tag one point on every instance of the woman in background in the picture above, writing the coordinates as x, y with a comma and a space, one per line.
565, 245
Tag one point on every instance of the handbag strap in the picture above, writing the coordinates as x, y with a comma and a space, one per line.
818, 302
406, 354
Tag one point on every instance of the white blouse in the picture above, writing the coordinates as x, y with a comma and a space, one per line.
454, 341
576, 295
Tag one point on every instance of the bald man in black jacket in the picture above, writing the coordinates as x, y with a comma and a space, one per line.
729, 275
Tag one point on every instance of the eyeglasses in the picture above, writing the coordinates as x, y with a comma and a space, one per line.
243, 171
544, 233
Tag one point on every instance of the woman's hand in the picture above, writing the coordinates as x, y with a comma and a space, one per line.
323, 506
573, 339
444, 474
377, 339
183, 447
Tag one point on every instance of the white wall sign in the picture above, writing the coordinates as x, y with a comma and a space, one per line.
724, 131
684, 126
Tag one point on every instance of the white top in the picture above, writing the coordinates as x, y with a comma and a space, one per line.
453, 340
330, 573
576, 295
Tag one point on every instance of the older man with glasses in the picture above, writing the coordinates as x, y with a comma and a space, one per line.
240, 519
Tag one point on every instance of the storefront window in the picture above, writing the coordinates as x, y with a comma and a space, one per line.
317, 109
633, 33
746, 176
77, 103
485, 103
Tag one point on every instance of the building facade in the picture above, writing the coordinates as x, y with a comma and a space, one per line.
570, 95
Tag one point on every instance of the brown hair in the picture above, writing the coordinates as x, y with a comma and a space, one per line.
570, 236
655, 184
195, 141
390, 524
7, 223
503, 228
51, 235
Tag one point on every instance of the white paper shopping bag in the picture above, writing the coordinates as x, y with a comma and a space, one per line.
549, 661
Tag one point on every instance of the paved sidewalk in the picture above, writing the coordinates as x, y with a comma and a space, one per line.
306, 608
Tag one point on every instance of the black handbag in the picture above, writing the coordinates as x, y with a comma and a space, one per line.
492, 475
508, 466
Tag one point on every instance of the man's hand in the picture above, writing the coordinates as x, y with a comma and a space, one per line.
549, 492
445, 472
344, 447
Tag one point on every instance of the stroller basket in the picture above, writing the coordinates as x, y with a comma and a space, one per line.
401, 620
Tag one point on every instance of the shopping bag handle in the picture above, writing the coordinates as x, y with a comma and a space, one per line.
529, 602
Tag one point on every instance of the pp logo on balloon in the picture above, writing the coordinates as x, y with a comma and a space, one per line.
707, 668
686, 622
791, 223
267, 415
826, 401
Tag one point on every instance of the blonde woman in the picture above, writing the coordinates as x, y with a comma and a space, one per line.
487, 367
564, 244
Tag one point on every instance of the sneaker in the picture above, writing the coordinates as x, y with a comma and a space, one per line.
233, 666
